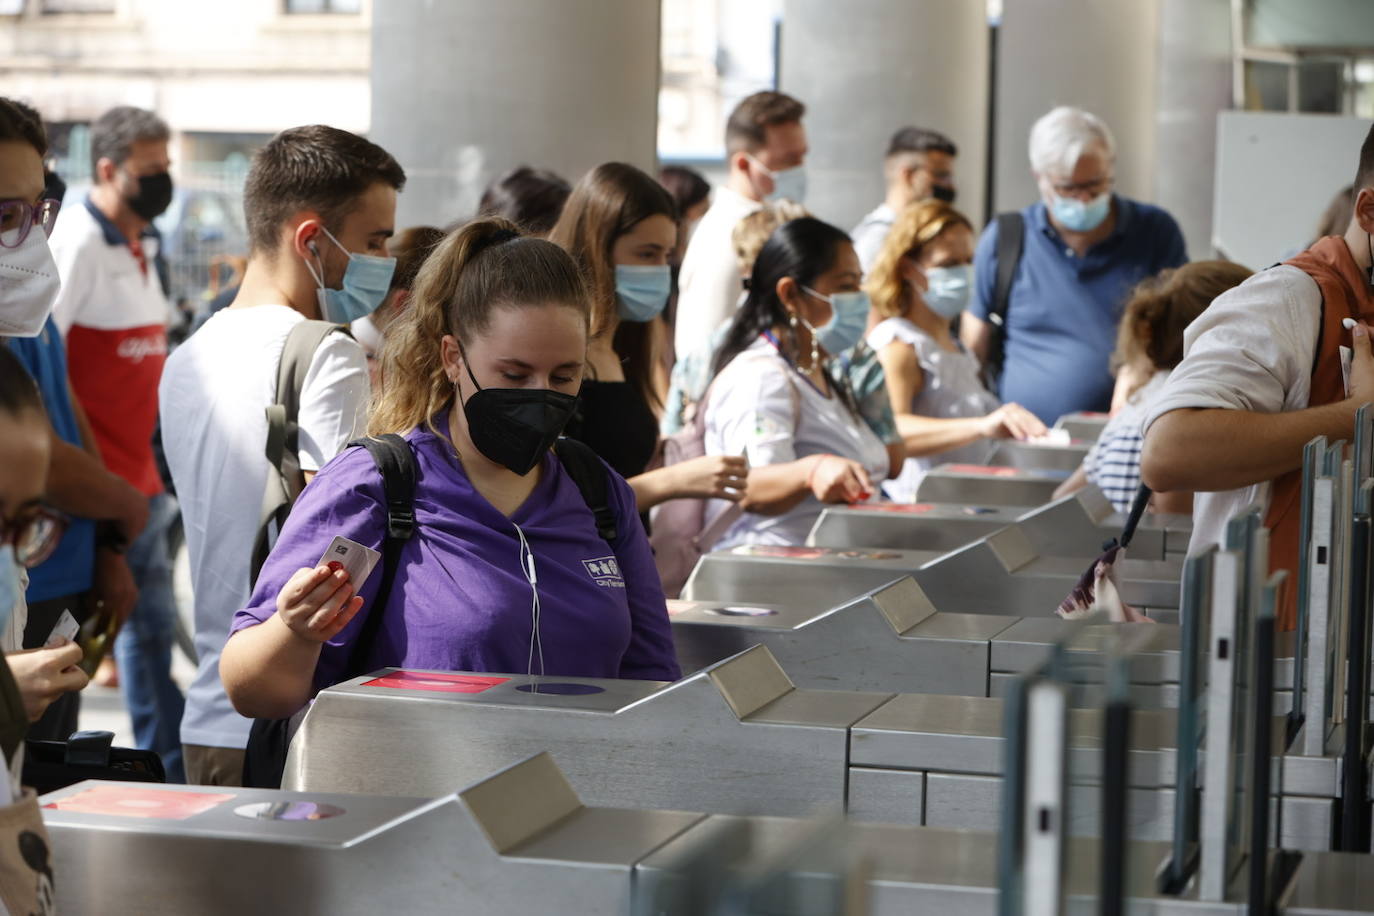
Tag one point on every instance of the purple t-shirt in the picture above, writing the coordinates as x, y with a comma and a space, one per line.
461, 600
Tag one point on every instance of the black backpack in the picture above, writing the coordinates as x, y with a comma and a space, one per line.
269, 739
1011, 238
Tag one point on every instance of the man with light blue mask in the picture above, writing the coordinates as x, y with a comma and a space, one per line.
1051, 280
320, 206
765, 146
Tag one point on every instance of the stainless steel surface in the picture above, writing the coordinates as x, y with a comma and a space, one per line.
974, 803
1332, 884
379, 855
1004, 573
887, 796
970, 484
807, 578
1032, 456
678, 746
1083, 425
892, 639
909, 526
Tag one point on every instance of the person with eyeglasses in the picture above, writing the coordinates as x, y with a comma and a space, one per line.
29, 531
1083, 248
71, 573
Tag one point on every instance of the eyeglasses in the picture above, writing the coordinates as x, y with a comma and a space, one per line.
1092, 188
34, 535
17, 217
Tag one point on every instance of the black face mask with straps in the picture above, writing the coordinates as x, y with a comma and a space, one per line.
515, 427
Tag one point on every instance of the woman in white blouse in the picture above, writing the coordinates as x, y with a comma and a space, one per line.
919, 285
773, 399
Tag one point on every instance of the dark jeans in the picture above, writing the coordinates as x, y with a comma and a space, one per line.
144, 646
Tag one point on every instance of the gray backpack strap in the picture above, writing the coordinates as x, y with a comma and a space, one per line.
284, 477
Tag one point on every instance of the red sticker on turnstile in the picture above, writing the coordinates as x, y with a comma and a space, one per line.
779, 550
979, 469
678, 606
439, 683
140, 801
912, 508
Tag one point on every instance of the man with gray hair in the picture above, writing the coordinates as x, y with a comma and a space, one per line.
1052, 279
113, 312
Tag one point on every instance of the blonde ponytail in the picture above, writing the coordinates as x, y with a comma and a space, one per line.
476, 269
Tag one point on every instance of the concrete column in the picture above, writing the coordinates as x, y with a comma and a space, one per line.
1100, 55
867, 67
1194, 87
464, 89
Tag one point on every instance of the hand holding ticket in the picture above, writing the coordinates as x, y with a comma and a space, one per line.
317, 603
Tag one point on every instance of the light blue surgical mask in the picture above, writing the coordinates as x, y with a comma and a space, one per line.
642, 290
788, 184
1077, 216
848, 319
366, 281
948, 294
11, 590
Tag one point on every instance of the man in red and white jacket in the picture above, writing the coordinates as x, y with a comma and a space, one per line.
113, 312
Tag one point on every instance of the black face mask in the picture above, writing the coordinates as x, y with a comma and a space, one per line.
515, 427
154, 196
943, 193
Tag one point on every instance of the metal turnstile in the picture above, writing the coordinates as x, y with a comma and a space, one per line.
520, 843
980, 485
891, 639
1039, 456
1077, 525
1083, 425
737, 738
1000, 574
805, 578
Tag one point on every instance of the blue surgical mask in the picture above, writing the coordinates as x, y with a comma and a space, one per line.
366, 281
948, 294
788, 184
1077, 216
11, 590
848, 319
642, 290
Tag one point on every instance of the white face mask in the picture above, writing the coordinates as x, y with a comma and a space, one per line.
28, 286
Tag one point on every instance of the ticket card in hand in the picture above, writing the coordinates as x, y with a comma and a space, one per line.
354, 558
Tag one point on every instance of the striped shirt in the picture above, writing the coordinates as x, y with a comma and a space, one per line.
1113, 463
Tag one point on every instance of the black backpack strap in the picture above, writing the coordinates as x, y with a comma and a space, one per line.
270, 739
587, 471
396, 462
1011, 241
285, 480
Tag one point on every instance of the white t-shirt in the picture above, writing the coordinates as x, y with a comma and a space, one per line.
761, 407
951, 389
870, 234
709, 283
214, 392
1252, 349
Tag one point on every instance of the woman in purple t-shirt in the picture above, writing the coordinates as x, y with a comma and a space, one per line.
506, 571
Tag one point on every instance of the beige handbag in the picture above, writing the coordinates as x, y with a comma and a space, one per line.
26, 866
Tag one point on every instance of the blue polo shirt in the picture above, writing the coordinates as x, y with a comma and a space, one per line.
1064, 309
70, 569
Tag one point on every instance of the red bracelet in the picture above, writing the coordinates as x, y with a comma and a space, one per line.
815, 467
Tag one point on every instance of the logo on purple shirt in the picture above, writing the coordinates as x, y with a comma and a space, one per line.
605, 571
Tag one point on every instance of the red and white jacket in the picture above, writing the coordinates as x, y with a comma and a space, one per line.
113, 313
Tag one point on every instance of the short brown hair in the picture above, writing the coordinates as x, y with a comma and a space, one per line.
20, 122
746, 128
1150, 336
410, 248
317, 168
114, 133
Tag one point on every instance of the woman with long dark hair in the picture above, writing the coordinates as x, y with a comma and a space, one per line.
772, 398
620, 225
